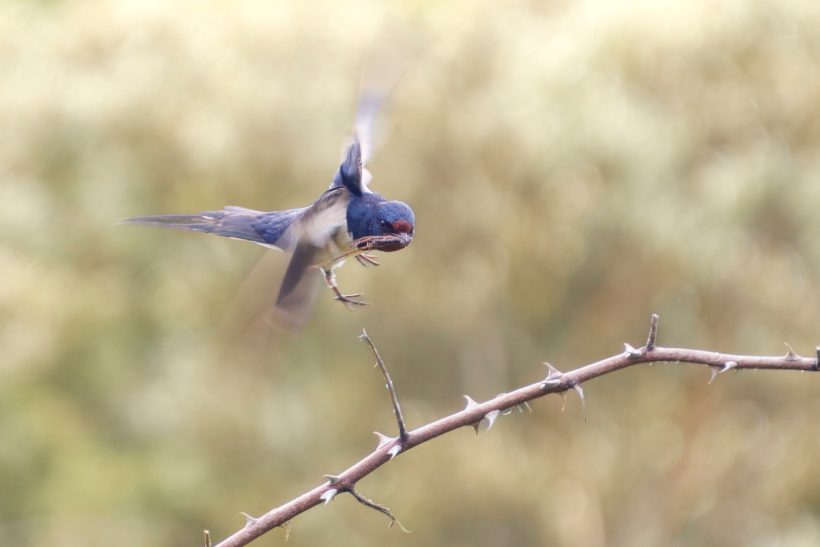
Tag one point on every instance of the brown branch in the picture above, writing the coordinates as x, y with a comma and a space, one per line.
383, 509
474, 413
388, 383
653, 331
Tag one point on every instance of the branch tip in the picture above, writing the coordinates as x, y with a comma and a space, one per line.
383, 509
653, 332
388, 383
817, 361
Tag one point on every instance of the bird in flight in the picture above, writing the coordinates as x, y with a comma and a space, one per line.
347, 220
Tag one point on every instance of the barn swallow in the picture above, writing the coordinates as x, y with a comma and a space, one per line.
348, 215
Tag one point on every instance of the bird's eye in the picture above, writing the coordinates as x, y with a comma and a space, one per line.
385, 225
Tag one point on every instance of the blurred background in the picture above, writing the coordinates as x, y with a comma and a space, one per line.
573, 166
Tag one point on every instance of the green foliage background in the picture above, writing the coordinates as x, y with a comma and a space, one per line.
574, 166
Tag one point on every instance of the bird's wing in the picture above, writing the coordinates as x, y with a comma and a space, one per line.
319, 222
352, 173
370, 102
310, 234
234, 222
297, 291
377, 83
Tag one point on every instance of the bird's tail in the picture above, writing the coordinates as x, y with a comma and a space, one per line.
234, 222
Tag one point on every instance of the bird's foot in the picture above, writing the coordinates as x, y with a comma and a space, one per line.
367, 260
349, 300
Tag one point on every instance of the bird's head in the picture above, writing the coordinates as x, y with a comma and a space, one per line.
392, 227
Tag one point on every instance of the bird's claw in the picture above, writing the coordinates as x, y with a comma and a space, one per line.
367, 260
350, 301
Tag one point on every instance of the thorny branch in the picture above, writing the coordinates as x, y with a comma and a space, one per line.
474, 413
388, 382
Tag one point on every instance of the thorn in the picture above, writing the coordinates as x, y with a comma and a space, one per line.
632, 352
249, 520
563, 401
580, 391
332, 479
383, 439
286, 526
207, 535
553, 376
393, 452
729, 365
490, 418
790, 355
487, 421
527, 406
510, 409
470, 403
328, 495
653, 332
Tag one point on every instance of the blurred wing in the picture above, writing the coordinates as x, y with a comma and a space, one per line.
352, 173
268, 229
311, 231
319, 222
296, 293
378, 80
370, 102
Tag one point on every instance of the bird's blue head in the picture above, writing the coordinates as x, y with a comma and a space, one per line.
397, 221
380, 225
395, 217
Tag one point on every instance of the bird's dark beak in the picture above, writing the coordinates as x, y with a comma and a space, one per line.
386, 243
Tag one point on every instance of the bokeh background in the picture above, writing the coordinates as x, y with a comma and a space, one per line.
573, 165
